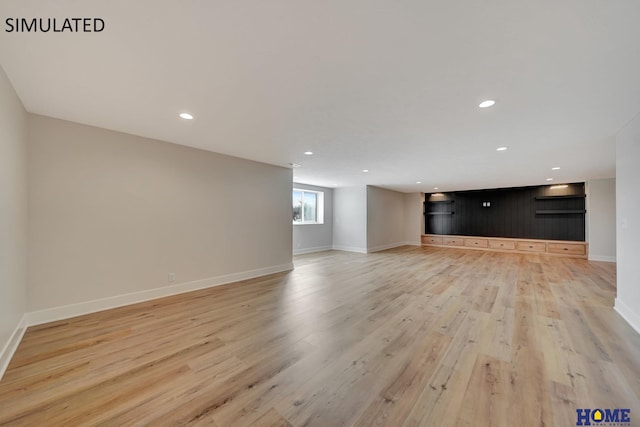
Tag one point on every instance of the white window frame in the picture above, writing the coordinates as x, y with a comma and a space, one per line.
319, 207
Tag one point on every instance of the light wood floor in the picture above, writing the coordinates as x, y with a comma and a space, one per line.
409, 336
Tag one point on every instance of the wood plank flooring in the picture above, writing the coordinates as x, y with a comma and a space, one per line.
406, 337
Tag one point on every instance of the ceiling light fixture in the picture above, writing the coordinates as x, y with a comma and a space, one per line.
186, 116
365, 170
487, 103
557, 168
501, 149
418, 182
294, 165
435, 188
553, 187
308, 153
549, 179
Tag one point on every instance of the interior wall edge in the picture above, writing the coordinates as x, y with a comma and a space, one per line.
413, 243
603, 258
67, 311
311, 250
12, 345
385, 247
350, 249
13, 217
627, 314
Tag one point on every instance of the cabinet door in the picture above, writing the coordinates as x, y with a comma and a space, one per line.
531, 246
431, 240
476, 243
502, 244
567, 248
453, 241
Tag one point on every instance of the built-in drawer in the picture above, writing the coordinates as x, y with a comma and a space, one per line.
567, 248
476, 243
453, 241
502, 244
431, 240
531, 246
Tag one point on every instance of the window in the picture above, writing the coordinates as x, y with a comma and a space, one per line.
308, 207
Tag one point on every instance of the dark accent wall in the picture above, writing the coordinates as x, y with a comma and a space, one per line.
539, 212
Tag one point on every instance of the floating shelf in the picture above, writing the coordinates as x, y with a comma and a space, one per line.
440, 213
561, 211
574, 196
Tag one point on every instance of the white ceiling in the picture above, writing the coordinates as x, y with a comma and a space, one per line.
390, 86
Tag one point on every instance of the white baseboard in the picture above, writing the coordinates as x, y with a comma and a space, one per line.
604, 258
311, 250
632, 318
12, 345
73, 310
374, 248
385, 247
350, 249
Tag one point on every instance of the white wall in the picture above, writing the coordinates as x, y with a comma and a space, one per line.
628, 222
413, 218
385, 219
350, 219
315, 237
113, 214
370, 219
13, 218
393, 218
601, 211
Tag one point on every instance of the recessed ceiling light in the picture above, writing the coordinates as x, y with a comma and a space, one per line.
555, 168
186, 116
365, 170
487, 103
435, 188
308, 153
294, 165
549, 179
501, 149
418, 182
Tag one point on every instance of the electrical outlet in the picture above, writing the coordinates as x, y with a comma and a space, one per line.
172, 277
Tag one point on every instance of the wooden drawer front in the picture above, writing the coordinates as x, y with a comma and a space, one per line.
431, 240
476, 243
502, 244
532, 246
453, 241
567, 248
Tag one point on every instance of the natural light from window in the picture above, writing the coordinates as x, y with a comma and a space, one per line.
308, 206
